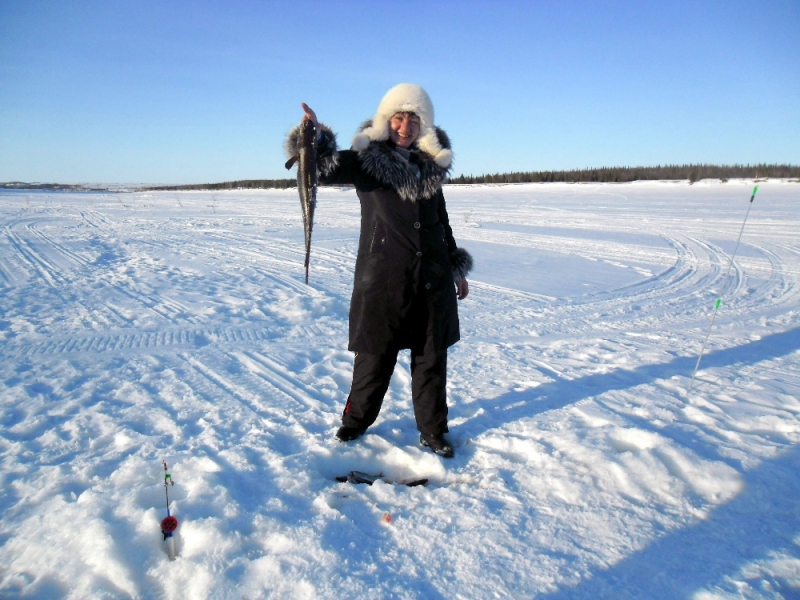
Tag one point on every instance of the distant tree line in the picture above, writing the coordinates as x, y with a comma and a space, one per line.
690, 172
242, 184
50, 187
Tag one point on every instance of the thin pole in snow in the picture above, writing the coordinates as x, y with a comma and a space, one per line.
724, 287
170, 523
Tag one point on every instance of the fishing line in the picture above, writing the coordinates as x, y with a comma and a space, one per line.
724, 287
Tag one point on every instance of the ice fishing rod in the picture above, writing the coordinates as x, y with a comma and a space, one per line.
724, 287
169, 524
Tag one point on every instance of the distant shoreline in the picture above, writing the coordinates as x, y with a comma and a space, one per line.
691, 173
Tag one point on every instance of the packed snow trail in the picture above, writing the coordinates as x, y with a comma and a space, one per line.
142, 327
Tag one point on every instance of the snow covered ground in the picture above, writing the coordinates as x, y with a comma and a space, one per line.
147, 326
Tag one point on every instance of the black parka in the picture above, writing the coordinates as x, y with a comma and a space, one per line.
407, 260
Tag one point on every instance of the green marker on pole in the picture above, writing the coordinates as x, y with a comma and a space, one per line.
725, 286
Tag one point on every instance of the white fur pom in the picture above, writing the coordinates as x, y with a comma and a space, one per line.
444, 158
360, 142
428, 142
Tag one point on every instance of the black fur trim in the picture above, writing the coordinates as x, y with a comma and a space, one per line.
327, 155
461, 261
381, 161
444, 139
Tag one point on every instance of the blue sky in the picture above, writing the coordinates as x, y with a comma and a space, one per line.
189, 92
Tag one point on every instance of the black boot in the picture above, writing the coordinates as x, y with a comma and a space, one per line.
347, 434
438, 444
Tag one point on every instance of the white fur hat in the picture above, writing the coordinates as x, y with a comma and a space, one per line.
406, 97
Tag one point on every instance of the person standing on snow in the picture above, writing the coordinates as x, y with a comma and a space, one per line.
409, 270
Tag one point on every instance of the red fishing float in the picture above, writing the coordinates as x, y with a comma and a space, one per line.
168, 525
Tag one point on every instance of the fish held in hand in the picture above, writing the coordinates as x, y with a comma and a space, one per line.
306, 159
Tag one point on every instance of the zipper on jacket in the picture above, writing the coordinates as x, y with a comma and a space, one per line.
374, 233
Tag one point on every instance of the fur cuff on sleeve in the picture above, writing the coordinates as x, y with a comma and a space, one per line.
327, 155
461, 260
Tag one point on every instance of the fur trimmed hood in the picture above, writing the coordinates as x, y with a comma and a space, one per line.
406, 97
414, 173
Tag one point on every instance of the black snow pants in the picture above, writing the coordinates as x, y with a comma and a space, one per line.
371, 376
373, 372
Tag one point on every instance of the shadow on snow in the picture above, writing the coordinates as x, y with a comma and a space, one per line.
761, 521
561, 393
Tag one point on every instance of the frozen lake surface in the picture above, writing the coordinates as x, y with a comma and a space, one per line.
146, 326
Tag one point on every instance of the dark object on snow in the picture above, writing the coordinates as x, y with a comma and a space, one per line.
357, 477
306, 158
438, 444
348, 434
